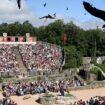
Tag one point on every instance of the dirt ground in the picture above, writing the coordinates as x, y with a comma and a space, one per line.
79, 94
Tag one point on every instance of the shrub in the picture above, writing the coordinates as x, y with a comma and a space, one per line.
102, 66
1, 80
94, 70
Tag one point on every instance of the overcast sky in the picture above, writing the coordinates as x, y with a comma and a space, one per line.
33, 9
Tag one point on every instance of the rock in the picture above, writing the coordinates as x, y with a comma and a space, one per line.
26, 97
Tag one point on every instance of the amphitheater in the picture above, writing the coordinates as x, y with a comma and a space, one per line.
40, 64
30, 58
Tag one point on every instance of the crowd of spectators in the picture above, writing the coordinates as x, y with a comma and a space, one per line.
36, 57
22, 88
41, 56
8, 62
97, 100
7, 101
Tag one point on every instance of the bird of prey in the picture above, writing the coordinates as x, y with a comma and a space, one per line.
84, 13
67, 9
103, 26
19, 3
44, 4
54, 14
94, 11
47, 17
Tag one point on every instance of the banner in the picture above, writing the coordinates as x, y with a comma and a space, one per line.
5, 39
64, 38
12, 39
20, 39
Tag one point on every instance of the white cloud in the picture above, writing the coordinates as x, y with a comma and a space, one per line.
89, 24
92, 24
9, 12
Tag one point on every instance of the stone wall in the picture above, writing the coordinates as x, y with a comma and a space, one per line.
58, 100
96, 84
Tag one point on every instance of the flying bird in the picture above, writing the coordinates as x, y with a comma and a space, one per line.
47, 17
44, 4
67, 9
84, 13
19, 3
103, 26
94, 11
54, 14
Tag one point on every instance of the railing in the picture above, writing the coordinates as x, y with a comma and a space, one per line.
16, 43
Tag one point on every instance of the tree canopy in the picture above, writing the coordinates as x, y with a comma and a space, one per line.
79, 42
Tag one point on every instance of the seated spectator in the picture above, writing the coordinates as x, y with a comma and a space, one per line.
35, 87
41, 56
7, 101
8, 62
97, 100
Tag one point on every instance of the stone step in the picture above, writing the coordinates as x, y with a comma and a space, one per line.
22, 67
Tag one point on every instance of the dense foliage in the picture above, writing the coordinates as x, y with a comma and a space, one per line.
102, 66
79, 42
94, 70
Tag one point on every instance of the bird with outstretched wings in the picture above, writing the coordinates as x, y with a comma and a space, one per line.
47, 17
94, 11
